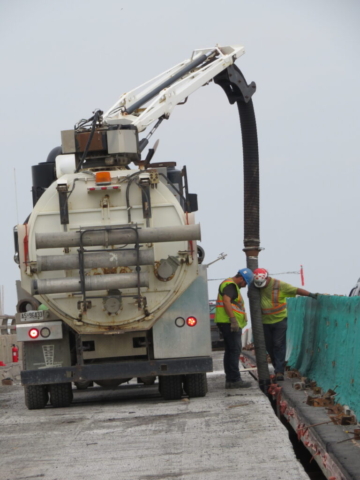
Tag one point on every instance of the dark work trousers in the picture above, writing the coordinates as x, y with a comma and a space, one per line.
232, 341
275, 341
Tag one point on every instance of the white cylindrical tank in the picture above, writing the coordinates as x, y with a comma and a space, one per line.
106, 221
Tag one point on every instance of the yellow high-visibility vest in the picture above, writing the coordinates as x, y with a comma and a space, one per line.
276, 306
237, 305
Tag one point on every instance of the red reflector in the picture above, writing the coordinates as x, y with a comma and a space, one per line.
191, 321
116, 187
34, 333
103, 188
91, 188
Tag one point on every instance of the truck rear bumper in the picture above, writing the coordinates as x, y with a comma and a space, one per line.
109, 371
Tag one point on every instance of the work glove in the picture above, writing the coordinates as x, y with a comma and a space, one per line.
234, 326
313, 295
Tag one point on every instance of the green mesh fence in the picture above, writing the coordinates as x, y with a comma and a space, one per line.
323, 343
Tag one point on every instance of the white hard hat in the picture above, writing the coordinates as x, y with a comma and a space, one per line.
260, 277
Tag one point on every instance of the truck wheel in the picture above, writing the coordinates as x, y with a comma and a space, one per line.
171, 387
36, 396
61, 395
195, 385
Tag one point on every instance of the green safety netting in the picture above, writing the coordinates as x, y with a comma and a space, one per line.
323, 343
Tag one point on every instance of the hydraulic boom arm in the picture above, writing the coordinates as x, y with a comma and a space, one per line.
164, 92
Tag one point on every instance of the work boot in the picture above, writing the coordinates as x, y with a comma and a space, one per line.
279, 377
239, 384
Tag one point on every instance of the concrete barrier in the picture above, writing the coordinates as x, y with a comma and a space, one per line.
6, 343
323, 339
11, 371
7, 340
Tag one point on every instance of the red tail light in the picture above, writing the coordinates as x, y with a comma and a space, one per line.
34, 333
191, 321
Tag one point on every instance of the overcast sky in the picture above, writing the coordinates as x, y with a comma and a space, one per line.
61, 59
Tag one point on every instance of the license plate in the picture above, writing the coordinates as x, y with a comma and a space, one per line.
33, 315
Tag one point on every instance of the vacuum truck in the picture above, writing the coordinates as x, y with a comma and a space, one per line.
112, 286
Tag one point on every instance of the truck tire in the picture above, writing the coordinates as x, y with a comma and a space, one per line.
36, 396
60, 395
195, 385
170, 387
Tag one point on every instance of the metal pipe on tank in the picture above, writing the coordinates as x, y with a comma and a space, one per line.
106, 259
121, 236
93, 282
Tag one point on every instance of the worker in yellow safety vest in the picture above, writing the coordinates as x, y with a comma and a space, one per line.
273, 295
230, 318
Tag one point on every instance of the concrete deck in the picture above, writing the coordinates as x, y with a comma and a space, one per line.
132, 433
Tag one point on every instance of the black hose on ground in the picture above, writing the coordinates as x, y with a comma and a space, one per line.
237, 90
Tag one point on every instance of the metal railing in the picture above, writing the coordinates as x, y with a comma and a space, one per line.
7, 324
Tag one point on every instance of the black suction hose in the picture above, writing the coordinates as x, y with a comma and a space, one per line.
252, 230
237, 90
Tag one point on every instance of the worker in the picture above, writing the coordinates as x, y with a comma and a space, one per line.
230, 318
273, 295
